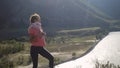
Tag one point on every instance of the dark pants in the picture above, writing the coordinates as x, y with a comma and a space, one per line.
40, 50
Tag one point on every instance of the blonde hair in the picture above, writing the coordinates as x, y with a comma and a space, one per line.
34, 17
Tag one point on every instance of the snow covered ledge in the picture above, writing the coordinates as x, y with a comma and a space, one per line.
106, 50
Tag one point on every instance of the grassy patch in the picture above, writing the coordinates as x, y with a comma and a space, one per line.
62, 51
83, 39
82, 29
107, 65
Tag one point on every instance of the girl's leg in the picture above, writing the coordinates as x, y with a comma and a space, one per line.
34, 55
47, 55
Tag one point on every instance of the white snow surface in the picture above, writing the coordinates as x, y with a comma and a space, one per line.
108, 49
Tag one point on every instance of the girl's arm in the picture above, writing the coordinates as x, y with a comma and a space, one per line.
33, 34
41, 33
32, 38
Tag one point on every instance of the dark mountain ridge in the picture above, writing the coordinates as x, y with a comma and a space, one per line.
56, 14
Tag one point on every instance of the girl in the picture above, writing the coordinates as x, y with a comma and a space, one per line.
37, 39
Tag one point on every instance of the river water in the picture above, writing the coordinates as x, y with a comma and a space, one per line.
108, 49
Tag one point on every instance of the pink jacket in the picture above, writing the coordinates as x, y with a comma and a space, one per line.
33, 30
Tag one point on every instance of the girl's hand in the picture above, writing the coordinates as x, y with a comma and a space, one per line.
43, 33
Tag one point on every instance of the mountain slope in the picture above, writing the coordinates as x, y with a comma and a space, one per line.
56, 14
110, 7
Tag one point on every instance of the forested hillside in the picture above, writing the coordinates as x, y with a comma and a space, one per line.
58, 15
